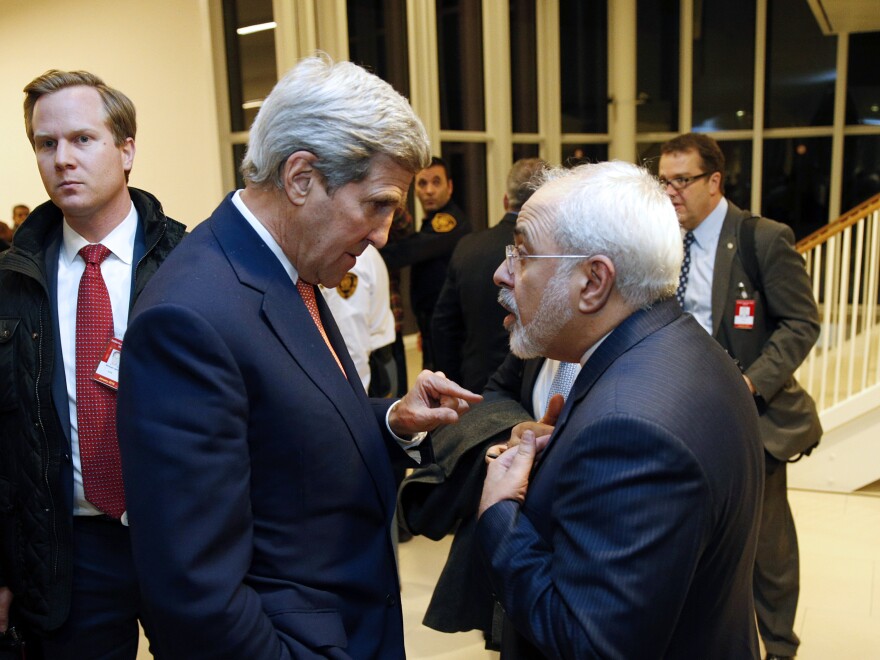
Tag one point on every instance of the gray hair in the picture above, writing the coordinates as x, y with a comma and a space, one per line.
343, 115
521, 181
617, 209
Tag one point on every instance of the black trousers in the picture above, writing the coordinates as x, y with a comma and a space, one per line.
106, 602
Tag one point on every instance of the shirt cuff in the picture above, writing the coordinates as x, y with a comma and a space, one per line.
411, 445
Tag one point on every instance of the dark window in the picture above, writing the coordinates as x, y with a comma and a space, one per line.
523, 67
526, 151
723, 65
238, 151
250, 58
377, 39
861, 170
460, 54
657, 65
796, 182
738, 171
800, 68
467, 160
863, 79
583, 42
578, 154
649, 156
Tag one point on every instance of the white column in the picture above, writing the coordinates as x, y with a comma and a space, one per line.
622, 42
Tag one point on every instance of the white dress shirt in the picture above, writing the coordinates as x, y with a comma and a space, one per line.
364, 318
116, 270
542, 385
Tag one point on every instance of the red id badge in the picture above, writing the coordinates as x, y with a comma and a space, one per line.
107, 372
744, 314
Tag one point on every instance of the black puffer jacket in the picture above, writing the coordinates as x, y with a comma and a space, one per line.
35, 525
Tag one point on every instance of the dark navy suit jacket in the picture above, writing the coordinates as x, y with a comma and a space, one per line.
637, 536
258, 479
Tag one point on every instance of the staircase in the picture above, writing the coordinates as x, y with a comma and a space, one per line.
842, 372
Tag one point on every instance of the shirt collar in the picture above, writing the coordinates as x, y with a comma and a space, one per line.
120, 241
263, 233
592, 349
708, 231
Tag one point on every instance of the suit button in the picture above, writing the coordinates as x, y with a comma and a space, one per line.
391, 600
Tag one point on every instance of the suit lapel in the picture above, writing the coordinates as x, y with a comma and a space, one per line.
286, 314
724, 254
633, 330
337, 341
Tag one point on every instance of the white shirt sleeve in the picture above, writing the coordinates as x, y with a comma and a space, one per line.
361, 307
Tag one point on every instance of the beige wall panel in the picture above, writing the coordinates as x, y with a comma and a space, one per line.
158, 53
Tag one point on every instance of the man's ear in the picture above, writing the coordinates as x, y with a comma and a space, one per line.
127, 151
715, 183
597, 280
298, 174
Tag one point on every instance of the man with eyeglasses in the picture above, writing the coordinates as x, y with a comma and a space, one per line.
633, 532
747, 286
469, 339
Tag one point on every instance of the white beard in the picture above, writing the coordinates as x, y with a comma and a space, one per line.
532, 340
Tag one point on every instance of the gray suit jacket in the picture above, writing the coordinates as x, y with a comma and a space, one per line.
786, 328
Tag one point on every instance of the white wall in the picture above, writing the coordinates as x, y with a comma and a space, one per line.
158, 52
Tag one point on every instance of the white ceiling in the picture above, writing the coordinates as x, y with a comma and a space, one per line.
835, 16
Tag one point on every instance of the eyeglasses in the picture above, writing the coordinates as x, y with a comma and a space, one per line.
681, 182
512, 253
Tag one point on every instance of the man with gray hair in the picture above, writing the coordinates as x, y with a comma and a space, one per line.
634, 535
469, 338
259, 479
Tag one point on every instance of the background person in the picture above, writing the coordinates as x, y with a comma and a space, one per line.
19, 213
765, 316
428, 251
361, 307
66, 562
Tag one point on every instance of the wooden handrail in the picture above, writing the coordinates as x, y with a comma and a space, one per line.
848, 219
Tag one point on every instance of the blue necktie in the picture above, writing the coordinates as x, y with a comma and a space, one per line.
685, 268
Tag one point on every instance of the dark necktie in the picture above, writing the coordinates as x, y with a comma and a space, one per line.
307, 291
96, 403
685, 268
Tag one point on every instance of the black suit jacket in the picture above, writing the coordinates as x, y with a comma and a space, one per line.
428, 252
514, 379
468, 333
